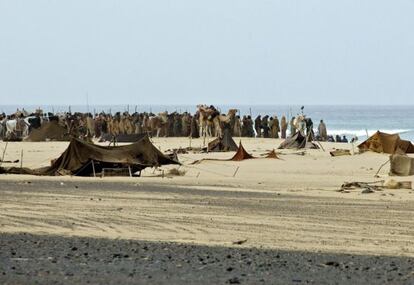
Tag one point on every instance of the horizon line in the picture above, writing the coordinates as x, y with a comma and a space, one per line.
222, 104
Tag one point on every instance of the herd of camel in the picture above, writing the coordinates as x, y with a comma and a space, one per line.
206, 122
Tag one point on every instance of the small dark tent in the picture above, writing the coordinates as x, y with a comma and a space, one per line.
224, 143
241, 154
386, 143
271, 154
48, 131
85, 159
297, 141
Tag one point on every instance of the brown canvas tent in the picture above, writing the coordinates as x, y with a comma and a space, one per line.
241, 154
48, 131
401, 165
386, 143
271, 154
298, 141
224, 143
85, 159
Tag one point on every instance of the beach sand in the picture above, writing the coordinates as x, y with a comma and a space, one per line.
289, 204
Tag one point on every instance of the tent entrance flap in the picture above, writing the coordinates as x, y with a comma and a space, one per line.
97, 168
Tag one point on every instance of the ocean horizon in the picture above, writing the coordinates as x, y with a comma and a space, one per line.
349, 120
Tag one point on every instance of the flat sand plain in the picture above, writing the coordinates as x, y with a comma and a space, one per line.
216, 207
290, 204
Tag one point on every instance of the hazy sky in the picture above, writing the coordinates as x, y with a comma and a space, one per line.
216, 51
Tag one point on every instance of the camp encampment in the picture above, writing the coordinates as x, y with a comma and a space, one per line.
224, 143
86, 159
298, 141
401, 165
386, 143
49, 131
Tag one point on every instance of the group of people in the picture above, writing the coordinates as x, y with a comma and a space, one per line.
270, 127
163, 124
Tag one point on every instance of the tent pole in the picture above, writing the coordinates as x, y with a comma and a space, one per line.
130, 172
93, 168
320, 145
4, 153
21, 159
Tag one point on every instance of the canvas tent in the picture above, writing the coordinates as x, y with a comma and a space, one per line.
298, 141
48, 131
386, 143
224, 143
85, 159
401, 165
241, 154
271, 154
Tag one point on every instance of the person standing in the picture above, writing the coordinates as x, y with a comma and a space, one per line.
276, 128
292, 126
271, 127
244, 130
194, 132
177, 127
309, 128
250, 129
265, 126
322, 132
258, 126
237, 127
283, 126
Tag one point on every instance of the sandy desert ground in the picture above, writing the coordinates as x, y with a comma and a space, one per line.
282, 206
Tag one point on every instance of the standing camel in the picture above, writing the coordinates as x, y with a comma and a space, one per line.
206, 117
220, 119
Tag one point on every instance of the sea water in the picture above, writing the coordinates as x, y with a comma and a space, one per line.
342, 120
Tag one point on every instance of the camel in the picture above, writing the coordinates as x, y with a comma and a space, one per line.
90, 125
220, 119
206, 117
158, 124
18, 127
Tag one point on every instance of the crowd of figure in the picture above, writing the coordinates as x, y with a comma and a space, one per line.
207, 120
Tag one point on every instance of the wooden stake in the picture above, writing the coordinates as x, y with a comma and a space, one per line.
235, 172
320, 145
21, 159
4, 153
376, 174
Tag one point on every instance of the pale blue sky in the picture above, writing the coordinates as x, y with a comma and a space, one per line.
216, 51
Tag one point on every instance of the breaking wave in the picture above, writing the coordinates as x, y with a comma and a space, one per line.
363, 133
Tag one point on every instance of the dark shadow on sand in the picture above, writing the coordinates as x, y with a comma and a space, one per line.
42, 259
